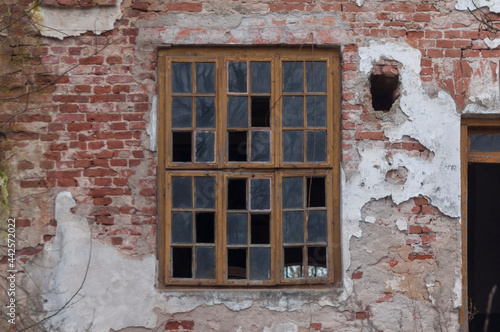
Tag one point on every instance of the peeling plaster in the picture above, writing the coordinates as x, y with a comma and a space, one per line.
65, 22
484, 87
152, 129
493, 5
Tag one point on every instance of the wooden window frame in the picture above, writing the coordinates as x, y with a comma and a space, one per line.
277, 169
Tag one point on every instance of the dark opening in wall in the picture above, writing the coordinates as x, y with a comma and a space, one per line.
384, 90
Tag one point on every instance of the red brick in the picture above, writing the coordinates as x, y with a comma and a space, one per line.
384, 298
427, 209
178, 325
105, 220
79, 126
370, 135
67, 183
428, 238
102, 200
316, 326
185, 6
93, 60
116, 241
99, 172
415, 229
357, 275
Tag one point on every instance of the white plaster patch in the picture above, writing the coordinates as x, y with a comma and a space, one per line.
483, 88
152, 129
457, 289
492, 43
493, 5
370, 219
60, 22
402, 224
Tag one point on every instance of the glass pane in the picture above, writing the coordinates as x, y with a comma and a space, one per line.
205, 77
205, 112
260, 112
181, 193
204, 192
316, 76
293, 193
293, 111
237, 141
182, 227
293, 146
260, 263
237, 76
293, 230
261, 146
293, 262
237, 194
259, 230
205, 263
260, 190
293, 76
205, 227
316, 146
316, 260
316, 226
182, 259
485, 142
182, 110
205, 145
237, 112
236, 263
316, 111
260, 77
316, 192
237, 228
181, 77
181, 146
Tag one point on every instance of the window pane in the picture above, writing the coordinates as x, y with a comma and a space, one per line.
236, 263
293, 230
260, 73
205, 263
316, 145
293, 108
204, 192
181, 192
316, 226
205, 77
316, 192
260, 232
182, 227
293, 76
181, 77
205, 228
181, 146
261, 146
182, 110
205, 112
260, 263
260, 190
261, 112
316, 112
237, 194
293, 193
316, 76
237, 228
316, 260
205, 145
485, 142
237, 112
293, 146
237, 76
237, 145
293, 262
182, 259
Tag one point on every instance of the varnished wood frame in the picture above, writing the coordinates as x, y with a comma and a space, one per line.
468, 126
333, 144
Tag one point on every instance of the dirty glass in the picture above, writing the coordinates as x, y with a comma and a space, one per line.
205, 77
181, 77
261, 146
237, 112
181, 192
205, 263
293, 230
205, 145
236, 228
485, 142
181, 146
292, 193
260, 194
237, 76
316, 76
259, 229
237, 141
316, 145
316, 260
316, 226
293, 115
316, 111
205, 112
182, 259
204, 188
260, 263
261, 112
260, 77
205, 227
182, 110
182, 227
293, 76
236, 263
293, 146
293, 262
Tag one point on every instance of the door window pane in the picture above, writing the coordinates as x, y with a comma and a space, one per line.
237, 76
181, 77
260, 263
260, 77
293, 76
205, 77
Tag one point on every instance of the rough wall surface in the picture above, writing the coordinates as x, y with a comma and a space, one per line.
78, 117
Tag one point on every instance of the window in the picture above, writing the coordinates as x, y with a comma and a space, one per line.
249, 166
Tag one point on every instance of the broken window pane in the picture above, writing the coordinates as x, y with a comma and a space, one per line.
293, 76
236, 263
205, 227
204, 192
181, 193
316, 145
293, 146
205, 145
237, 145
237, 194
205, 112
260, 73
260, 112
316, 226
316, 112
181, 146
293, 262
293, 193
181, 77
260, 190
261, 146
205, 77
205, 263
237, 112
182, 259
182, 110
182, 227
260, 263
293, 108
316, 192
316, 260
237, 76
260, 231
293, 227
316, 76
485, 142
237, 228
